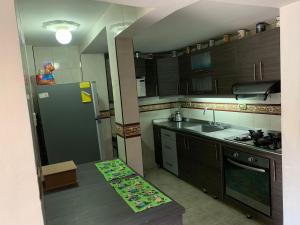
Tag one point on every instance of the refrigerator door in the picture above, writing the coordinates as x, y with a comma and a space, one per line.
69, 124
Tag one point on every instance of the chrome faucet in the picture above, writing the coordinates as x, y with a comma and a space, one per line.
214, 116
213, 123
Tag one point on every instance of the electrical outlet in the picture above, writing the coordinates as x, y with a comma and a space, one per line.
243, 106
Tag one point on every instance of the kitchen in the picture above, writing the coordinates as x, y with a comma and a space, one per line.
189, 77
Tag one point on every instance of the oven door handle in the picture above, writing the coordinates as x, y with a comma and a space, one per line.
246, 167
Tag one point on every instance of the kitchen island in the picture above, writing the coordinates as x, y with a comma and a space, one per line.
95, 202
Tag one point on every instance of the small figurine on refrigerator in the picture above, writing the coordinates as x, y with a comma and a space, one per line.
46, 78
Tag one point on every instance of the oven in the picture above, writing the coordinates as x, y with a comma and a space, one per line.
247, 179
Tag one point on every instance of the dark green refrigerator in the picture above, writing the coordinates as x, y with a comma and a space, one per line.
69, 120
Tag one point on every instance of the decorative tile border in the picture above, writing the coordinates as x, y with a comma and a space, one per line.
160, 106
128, 130
272, 109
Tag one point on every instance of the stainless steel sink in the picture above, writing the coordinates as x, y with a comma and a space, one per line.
205, 128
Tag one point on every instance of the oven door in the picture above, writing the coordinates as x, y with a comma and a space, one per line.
247, 184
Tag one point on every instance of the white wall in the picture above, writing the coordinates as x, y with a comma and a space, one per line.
290, 86
93, 68
19, 193
147, 128
66, 59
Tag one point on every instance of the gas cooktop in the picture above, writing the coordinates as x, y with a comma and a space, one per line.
257, 138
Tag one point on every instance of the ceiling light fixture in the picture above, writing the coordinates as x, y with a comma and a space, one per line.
62, 29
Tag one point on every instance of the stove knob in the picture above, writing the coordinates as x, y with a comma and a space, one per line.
251, 159
235, 155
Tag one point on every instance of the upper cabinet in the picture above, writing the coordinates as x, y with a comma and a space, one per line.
168, 76
184, 66
268, 52
259, 57
214, 70
225, 68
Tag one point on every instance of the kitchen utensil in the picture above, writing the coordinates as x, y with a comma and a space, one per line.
241, 33
277, 21
260, 27
177, 117
226, 38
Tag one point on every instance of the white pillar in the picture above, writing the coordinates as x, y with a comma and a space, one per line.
290, 101
19, 192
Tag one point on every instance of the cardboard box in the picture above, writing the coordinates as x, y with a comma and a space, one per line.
59, 175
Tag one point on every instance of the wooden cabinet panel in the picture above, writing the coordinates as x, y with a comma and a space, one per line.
268, 55
225, 69
259, 57
199, 163
157, 145
276, 190
207, 156
168, 76
140, 67
247, 57
151, 78
184, 64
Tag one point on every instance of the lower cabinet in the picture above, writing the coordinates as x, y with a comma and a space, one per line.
157, 146
199, 163
276, 190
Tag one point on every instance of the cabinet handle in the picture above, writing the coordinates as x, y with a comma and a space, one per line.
274, 171
156, 89
178, 88
216, 86
260, 70
187, 145
254, 71
217, 158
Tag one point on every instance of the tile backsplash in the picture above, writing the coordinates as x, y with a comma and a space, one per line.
261, 114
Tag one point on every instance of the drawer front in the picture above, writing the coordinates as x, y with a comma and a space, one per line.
168, 135
170, 161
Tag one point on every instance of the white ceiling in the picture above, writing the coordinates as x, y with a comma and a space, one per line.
34, 12
159, 3
98, 45
198, 22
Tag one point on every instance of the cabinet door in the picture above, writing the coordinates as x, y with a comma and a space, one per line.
157, 146
225, 67
151, 78
184, 65
276, 190
268, 55
168, 76
247, 59
186, 166
140, 68
206, 155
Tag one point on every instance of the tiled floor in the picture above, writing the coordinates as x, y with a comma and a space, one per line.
201, 209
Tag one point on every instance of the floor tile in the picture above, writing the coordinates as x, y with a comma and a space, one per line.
201, 209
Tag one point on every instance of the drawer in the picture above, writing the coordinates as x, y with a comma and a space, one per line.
168, 135
169, 144
171, 166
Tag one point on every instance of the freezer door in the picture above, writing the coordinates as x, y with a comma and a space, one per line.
69, 125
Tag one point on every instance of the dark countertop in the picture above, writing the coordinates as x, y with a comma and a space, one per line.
219, 136
95, 202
